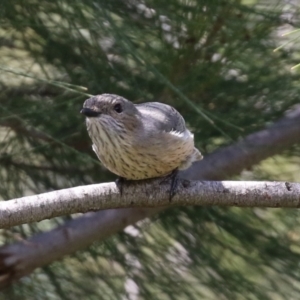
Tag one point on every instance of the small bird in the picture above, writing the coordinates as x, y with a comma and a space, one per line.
138, 141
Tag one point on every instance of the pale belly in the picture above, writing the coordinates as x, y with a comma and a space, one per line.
134, 158
136, 165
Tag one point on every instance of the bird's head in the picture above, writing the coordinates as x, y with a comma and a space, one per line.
110, 110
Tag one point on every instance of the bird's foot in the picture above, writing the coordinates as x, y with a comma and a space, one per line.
174, 183
120, 182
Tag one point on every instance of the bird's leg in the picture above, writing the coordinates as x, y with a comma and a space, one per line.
174, 182
120, 183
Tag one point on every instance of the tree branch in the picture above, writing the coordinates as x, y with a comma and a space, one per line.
147, 194
254, 148
21, 258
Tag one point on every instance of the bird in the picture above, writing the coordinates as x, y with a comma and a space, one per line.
139, 141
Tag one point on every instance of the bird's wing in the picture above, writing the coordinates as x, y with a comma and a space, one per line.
161, 116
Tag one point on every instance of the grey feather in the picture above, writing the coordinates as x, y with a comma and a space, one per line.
161, 116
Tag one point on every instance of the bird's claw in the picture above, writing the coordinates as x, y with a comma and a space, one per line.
120, 183
174, 183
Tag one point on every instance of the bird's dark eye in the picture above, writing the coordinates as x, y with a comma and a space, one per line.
118, 108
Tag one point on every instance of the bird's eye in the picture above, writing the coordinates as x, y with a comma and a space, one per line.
118, 108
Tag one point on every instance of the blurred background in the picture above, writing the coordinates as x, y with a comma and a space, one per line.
212, 60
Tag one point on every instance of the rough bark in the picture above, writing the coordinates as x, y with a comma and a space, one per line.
21, 258
151, 193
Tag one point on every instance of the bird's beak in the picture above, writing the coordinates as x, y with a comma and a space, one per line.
89, 112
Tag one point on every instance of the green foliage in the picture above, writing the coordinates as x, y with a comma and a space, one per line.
213, 61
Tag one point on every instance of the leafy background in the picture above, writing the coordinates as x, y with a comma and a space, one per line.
215, 62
